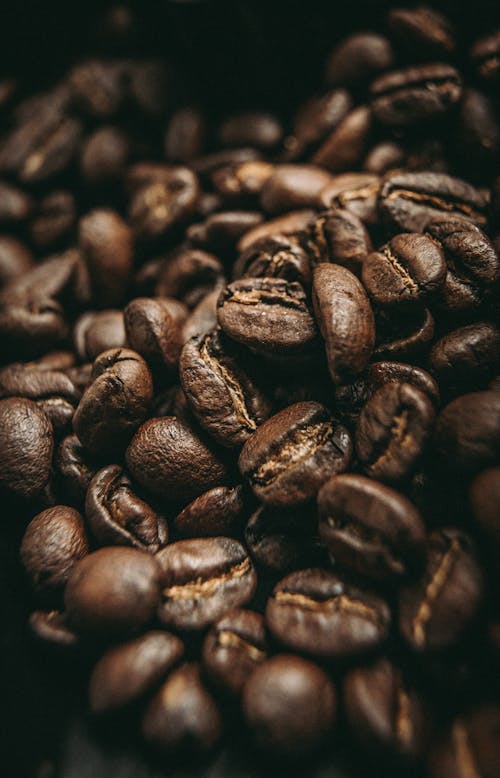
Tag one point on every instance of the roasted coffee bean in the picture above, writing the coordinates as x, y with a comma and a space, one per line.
288, 224
403, 334
162, 204
291, 187
485, 56
104, 156
53, 543
15, 259
52, 390
118, 517
369, 528
409, 202
207, 164
201, 580
345, 319
382, 711
472, 744
384, 156
113, 591
125, 673
484, 499
183, 715
51, 628
234, 647
392, 431
283, 540
74, 468
53, 220
169, 460
258, 130
15, 204
467, 357
203, 318
190, 275
277, 257
148, 86
268, 315
356, 192
290, 706
358, 58
422, 32
435, 611
115, 402
293, 453
243, 182
221, 232
346, 146
316, 612
184, 135
154, 332
98, 87
315, 120
477, 137
220, 511
106, 243
467, 434
339, 236
99, 331
223, 398
409, 268
26, 445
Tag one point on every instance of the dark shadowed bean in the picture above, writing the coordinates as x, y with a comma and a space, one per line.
104, 156
98, 331
53, 220
346, 146
422, 32
223, 231
184, 135
339, 236
356, 192
74, 468
283, 540
467, 357
203, 318
98, 87
315, 120
485, 56
164, 203
190, 275
258, 130
220, 511
403, 334
472, 745
467, 435
275, 257
357, 58
484, 499
51, 627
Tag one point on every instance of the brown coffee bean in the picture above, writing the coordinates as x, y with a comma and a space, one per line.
98, 87
316, 612
242, 182
278, 257
113, 591
74, 468
222, 232
288, 224
258, 130
422, 31
234, 647
104, 156
26, 445
98, 331
290, 706
293, 186
472, 745
189, 275
339, 236
283, 540
467, 435
169, 460
220, 511
184, 135
477, 136
356, 192
484, 499
369, 528
202, 579
345, 320
162, 204
346, 146
125, 673
288, 458
357, 58
466, 357
403, 334
54, 219
203, 318
383, 157
52, 629
154, 332
106, 243
485, 57
15, 204
15, 258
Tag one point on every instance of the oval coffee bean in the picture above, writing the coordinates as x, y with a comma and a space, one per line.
189, 275
26, 445
290, 706
220, 511
153, 332
127, 672
422, 31
466, 357
355, 192
293, 186
95, 332
275, 257
403, 333
283, 540
169, 460
484, 499
316, 612
369, 528
357, 58
288, 458
392, 431
315, 120
339, 236
435, 611
346, 145
472, 745
467, 435
234, 647
201, 580
113, 591
345, 319
106, 242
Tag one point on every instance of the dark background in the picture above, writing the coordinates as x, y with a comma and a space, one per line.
232, 54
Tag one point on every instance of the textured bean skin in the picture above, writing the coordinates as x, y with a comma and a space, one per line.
26, 445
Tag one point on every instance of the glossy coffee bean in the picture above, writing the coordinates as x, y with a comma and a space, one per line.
484, 500
113, 591
189, 275
125, 673
288, 224
99, 331
289, 457
392, 431
316, 612
183, 715
153, 331
357, 58
275, 257
369, 528
201, 580
422, 31
345, 320
169, 460
105, 240
290, 187
290, 705
346, 145
356, 192
234, 647
162, 204
26, 445
339, 236
466, 357
219, 511
467, 434
435, 611
282, 540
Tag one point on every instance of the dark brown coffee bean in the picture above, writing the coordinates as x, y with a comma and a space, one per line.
384, 712
369, 528
346, 146
189, 275
98, 87
234, 647
472, 746
15, 259
339, 236
316, 612
283, 540
345, 319
164, 203
104, 156
74, 468
422, 31
203, 318
383, 157
315, 120
223, 397
153, 332
118, 517
392, 431
148, 86
410, 267
477, 136
15, 205
207, 164
258, 130
53, 543
467, 435
409, 202
288, 224
115, 402
358, 58
35, 382
202, 579
125, 673
485, 56
243, 182
106, 243
356, 192
269, 315
293, 186
53, 220
290, 706
220, 511
99, 331
277, 257
222, 232
288, 458
467, 357
435, 611
26, 445
484, 499
51, 627
183, 715
403, 334
184, 135
113, 591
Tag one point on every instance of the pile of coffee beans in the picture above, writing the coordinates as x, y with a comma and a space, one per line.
250, 397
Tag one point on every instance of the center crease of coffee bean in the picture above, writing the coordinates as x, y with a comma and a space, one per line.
404, 724
432, 591
466, 762
233, 387
341, 603
398, 436
227, 639
400, 269
204, 588
303, 444
435, 202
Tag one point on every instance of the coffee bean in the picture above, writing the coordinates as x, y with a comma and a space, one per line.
467, 435
485, 57
203, 318
223, 231
15, 258
484, 499
435, 611
290, 706
26, 445
258, 130
99, 331
357, 58
345, 320
235, 645
315, 120
356, 192
184, 135
403, 334
477, 137
51, 628
106, 242
289, 224
472, 744
15, 204
219, 511
153, 331
125, 673
288, 458
466, 357
189, 276
242, 183
422, 32
276, 257
162, 204
74, 468
316, 612
346, 146
339, 236
383, 157
113, 591
293, 186
53, 220
201, 580
282, 540
369, 528
98, 87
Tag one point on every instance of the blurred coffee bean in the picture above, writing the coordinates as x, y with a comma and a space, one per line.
98, 331
358, 58
346, 146
422, 32
105, 240
104, 156
258, 130
485, 57
467, 434
184, 135
467, 357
